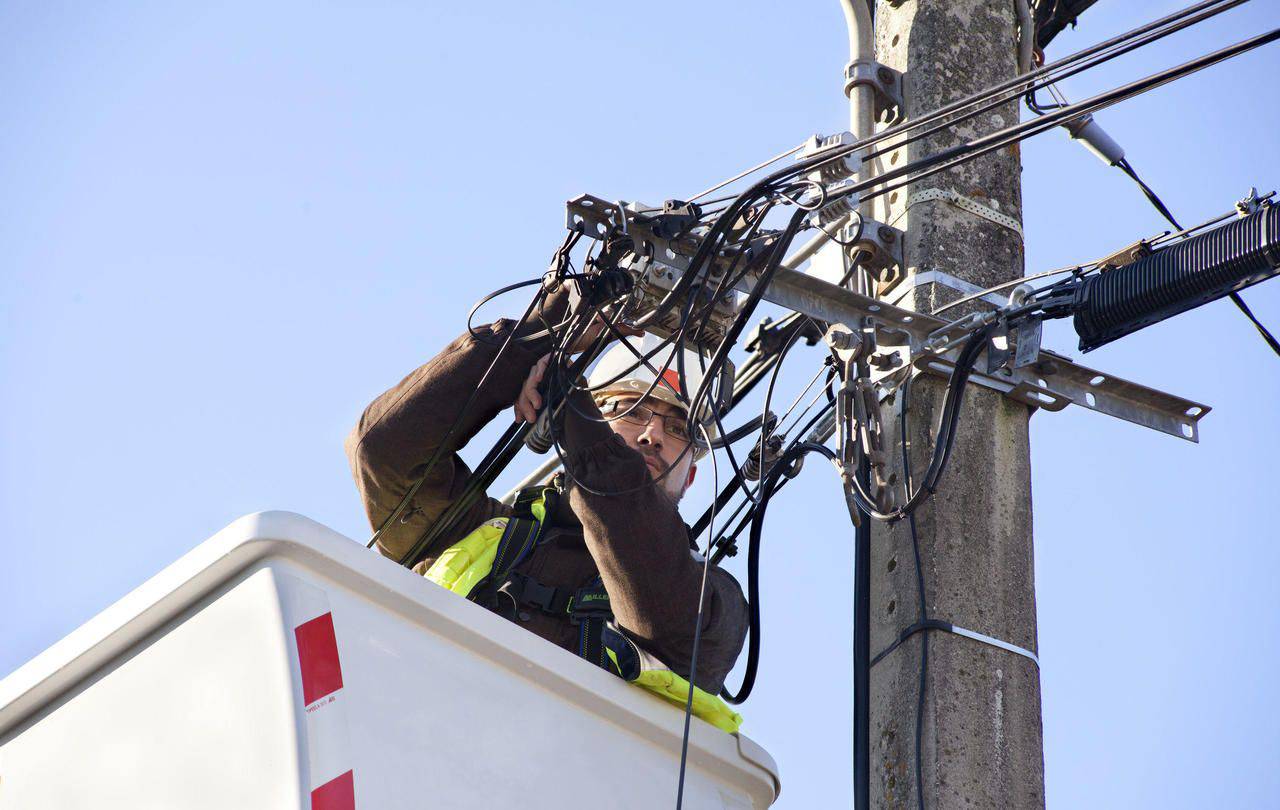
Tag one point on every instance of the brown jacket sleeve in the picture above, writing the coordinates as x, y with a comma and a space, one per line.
641, 546
403, 427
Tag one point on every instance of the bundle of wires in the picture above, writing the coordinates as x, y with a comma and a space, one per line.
738, 222
730, 231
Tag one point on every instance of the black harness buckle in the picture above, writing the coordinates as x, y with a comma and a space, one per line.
526, 590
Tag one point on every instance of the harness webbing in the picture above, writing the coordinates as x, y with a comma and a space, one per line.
587, 607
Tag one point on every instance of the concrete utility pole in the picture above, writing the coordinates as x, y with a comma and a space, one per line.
981, 740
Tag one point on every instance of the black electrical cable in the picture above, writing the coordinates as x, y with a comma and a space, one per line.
753, 571
476, 307
697, 642
1159, 205
499, 456
730, 338
676, 353
725, 545
443, 446
945, 438
921, 597
1041, 83
971, 150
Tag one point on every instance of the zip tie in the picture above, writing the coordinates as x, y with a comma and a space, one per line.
938, 624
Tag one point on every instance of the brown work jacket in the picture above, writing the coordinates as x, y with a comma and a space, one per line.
635, 541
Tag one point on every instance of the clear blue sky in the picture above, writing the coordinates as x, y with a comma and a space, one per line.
226, 227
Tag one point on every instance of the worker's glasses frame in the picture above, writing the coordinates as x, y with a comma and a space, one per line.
627, 410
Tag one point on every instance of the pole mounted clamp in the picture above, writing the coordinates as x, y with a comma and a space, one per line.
877, 247
886, 84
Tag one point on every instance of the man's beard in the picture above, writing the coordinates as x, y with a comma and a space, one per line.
669, 482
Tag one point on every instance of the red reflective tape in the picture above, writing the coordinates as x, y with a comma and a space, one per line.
336, 794
318, 658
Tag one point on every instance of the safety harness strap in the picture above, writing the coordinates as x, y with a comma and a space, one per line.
517, 541
938, 624
524, 530
591, 601
591, 643
588, 607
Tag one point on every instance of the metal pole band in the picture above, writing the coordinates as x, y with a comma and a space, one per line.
966, 204
938, 624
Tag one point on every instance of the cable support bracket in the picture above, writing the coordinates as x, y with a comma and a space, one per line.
885, 83
926, 344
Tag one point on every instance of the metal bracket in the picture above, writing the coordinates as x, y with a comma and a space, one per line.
884, 81
1251, 203
1126, 255
927, 343
859, 434
903, 289
880, 247
1052, 382
661, 258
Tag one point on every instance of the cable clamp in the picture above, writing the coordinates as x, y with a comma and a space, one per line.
938, 624
966, 204
885, 84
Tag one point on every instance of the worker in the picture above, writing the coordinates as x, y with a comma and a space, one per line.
601, 563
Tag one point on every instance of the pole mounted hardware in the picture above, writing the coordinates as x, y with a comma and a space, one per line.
858, 436
966, 204
886, 86
659, 243
878, 248
927, 345
905, 342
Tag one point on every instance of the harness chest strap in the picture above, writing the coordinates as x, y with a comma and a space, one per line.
480, 566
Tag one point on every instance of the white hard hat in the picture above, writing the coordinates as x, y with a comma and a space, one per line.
636, 377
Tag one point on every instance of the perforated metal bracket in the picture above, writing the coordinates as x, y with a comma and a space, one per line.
966, 204
884, 81
1051, 382
1054, 382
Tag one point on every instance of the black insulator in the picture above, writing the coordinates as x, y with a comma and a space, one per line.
1177, 278
540, 439
608, 284
754, 466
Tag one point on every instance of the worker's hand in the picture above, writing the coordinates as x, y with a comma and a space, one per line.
598, 327
530, 401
